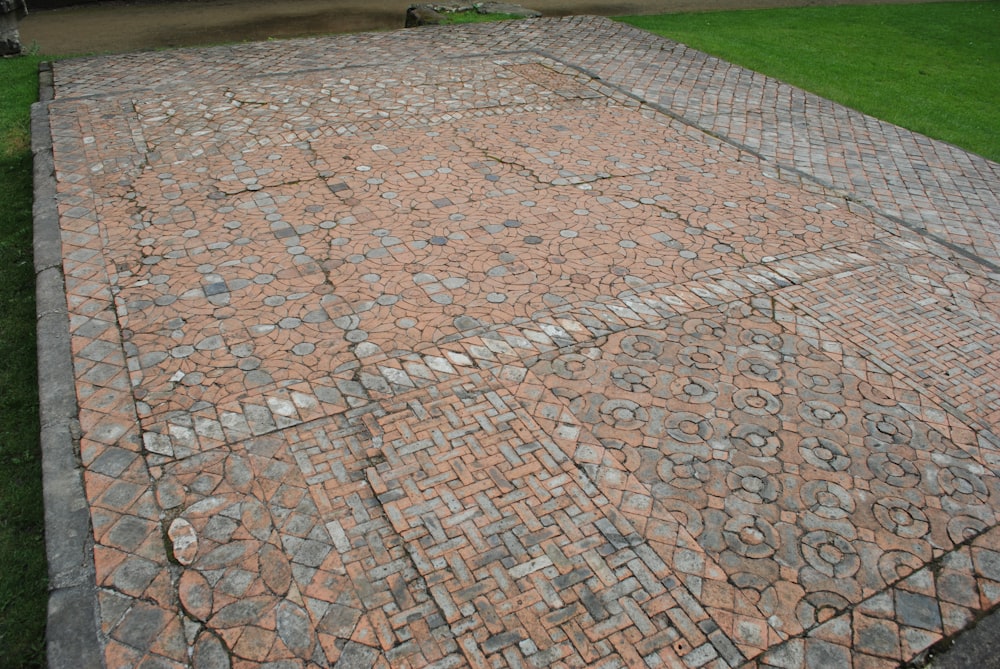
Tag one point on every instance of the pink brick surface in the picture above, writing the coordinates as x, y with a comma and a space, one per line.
546, 343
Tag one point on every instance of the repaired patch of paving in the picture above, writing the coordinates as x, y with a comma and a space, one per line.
505, 355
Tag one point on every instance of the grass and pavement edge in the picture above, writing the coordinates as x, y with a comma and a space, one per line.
958, 48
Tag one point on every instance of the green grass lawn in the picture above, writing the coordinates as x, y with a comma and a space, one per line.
933, 68
23, 582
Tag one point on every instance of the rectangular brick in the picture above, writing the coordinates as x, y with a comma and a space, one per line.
444, 601
653, 643
564, 581
478, 588
580, 642
473, 654
626, 648
530, 567
593, 603
638, 616
608, 627
688, 629
481, 559
499, 641
559, 616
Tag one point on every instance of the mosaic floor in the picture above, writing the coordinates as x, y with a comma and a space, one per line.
489, 347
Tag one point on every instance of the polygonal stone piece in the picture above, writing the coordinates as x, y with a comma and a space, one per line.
184, 540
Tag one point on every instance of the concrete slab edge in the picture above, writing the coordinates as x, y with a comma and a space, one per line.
976, 645
72, 627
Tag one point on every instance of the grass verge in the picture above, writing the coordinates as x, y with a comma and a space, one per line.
23, 579
929, 67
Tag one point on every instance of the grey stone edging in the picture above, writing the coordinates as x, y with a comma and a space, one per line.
72, 628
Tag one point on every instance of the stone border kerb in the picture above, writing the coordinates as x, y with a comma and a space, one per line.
72, 627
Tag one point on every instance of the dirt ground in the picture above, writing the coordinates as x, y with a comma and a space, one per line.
130, 26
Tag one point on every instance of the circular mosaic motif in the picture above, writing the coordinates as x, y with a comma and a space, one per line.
830, 554
894, 469
751, 537
963, 485
822, 414
684, 471
688, 428
753, 484
755, 440
820, 381
760, 369
756, 402
700, 357
574, 366
901, 517
633, 379
887, 429
642, 347
693, 390
824, 454
827, 500
624, 414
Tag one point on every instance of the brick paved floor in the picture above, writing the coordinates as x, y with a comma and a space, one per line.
536, 344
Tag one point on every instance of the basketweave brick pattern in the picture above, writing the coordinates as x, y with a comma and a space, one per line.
483, 360
440, 526
519, 555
